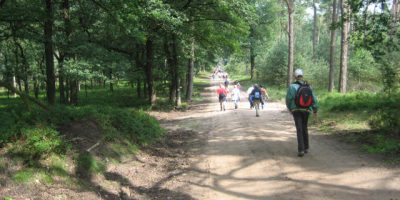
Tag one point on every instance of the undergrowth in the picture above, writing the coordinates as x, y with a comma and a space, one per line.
32, 135
374, 118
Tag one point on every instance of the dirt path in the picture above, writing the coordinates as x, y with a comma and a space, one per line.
212, 155
244, 157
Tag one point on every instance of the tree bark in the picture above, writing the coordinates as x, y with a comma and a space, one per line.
290, 7
73, 85
315, 30
139, 88
36, 88
171, 70
176, 79
48, 48
149, 71
190, 72
345, 8
395, 18
111, 80
252, 53
332, 48
64, 53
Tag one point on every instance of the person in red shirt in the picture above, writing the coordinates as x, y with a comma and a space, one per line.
222, 94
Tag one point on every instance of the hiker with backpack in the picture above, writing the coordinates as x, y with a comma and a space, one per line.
226, 83
301, 101
251, 88
222, 93
256, 98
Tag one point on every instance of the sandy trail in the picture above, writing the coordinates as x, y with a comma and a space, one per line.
244, 157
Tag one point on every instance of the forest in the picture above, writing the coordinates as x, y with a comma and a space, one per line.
111, 62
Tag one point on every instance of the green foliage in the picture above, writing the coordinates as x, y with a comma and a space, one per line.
362, 67
23, 176
355, 101
383, 145
387, 117
40, 141
274, 67
87, 164
374, 118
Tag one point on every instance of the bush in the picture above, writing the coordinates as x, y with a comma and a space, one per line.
387, 118
37, 142
383, 108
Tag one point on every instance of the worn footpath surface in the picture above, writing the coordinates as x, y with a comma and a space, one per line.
240, 156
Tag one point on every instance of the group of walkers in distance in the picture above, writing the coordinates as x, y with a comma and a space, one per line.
257, 95
300, 101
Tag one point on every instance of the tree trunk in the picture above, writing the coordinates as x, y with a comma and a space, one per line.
178, 93
145, 90
111, 80
14, 85
24, 65
315, 30
74, 92
64, 53
190, 72
19, 83
61, 81
36, 86
67, 90
176, 79
139, 88
171, 70
395, 18
48, 49
345, 8
332, 48
252, 53
149, 71
290, 7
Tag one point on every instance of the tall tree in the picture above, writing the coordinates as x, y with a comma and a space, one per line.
48, 48
332, 47
190, 72
345, 10
291, 38
252, 52
64, 51
149, 70
315, 34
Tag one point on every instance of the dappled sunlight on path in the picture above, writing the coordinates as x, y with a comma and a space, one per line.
248, 157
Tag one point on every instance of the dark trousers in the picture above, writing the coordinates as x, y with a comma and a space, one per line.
301, 121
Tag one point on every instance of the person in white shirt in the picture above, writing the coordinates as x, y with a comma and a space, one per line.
236, 96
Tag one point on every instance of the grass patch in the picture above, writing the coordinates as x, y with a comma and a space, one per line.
23, 176
32, 140
370, 119
87, 164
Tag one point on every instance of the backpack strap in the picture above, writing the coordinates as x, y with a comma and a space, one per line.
299, 83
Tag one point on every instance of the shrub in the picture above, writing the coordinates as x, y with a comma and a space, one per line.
37, 142
387, 118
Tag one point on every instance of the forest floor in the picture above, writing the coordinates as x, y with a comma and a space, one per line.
211, 154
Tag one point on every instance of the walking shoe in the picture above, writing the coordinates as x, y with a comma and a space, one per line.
306, 151
300, 154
